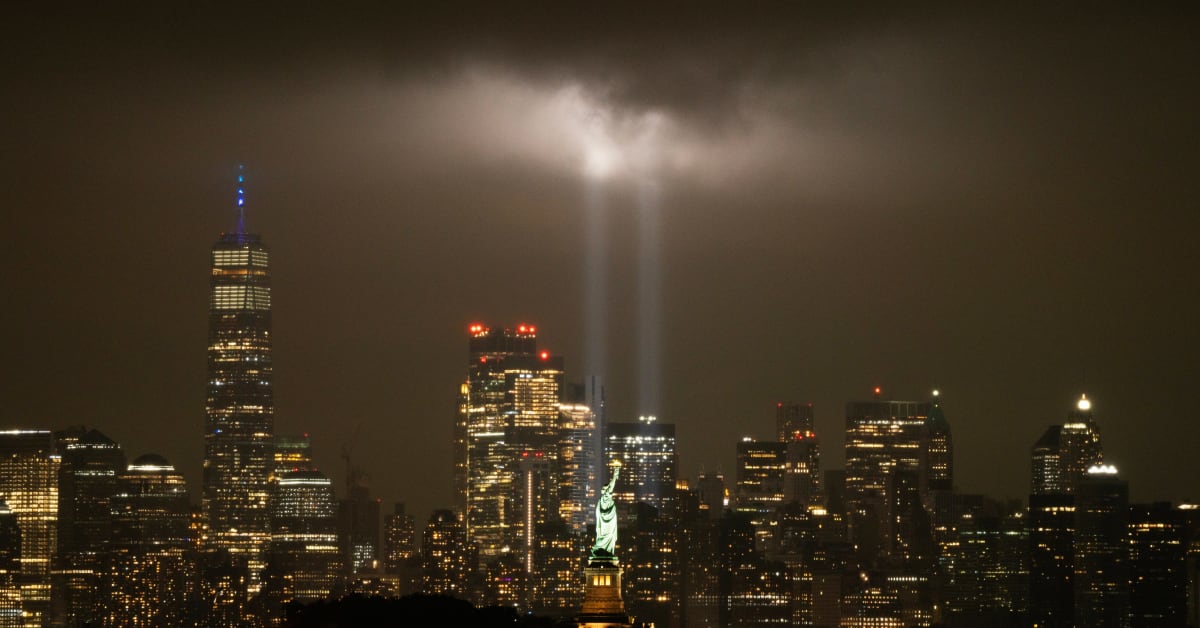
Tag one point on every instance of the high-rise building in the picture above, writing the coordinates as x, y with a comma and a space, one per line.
240, 406
87, 480
1101, 548
1158, 579
711, 495
152, 572
10, 569
400, 538
358, 524
304, 551
1046, 456
1079, 445
761, 468
291, 453
577, 459
802, 480
448, 559
759, 484
400, 557
937, 450
646, 448
509, 405
1051, 524
883, 437
29, 484
791, 419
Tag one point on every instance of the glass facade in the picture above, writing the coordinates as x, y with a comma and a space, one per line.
240, 408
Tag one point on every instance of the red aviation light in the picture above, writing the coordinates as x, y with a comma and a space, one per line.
521, 328
878, 390
779, 405
483, 359
545, 355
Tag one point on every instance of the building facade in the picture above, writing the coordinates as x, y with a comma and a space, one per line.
240, 405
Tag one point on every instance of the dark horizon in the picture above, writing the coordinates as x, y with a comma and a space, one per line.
995, 203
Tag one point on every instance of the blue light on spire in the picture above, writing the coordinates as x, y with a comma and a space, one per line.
241, 200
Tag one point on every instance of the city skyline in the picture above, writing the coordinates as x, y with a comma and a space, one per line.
1023, 235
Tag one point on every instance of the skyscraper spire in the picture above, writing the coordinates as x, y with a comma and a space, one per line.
241, 200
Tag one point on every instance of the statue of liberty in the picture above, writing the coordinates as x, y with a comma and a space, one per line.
606, 518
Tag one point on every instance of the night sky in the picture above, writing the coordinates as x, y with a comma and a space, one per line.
772, 205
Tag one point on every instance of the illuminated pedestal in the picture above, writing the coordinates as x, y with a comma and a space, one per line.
602, 604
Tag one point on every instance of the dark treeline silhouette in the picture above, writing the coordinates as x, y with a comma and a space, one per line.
411, 610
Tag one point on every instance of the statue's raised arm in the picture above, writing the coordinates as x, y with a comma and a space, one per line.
606, 518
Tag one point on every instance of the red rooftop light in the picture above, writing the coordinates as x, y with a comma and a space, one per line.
545, 355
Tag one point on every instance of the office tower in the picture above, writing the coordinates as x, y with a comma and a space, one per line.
240, 407
577, 461
1189, 512
1046, 456
87, 480
649, 548
400, 557
881, 438
647, 450
290, 452
358, 524
1079, 445
509, 404
29, 484
792, 419
10, 569
557, 580
988, 574
152, 574
1051, 524
1101, 549
304, 554
448, 559
1158, 580
907, 529
400, 539
761, 469
802, 478
711, 494
937, 450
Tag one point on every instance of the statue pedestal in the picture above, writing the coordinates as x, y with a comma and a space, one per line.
602, 603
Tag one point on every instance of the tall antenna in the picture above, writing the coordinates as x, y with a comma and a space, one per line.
241, 200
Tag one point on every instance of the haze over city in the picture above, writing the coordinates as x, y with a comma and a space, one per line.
996, 203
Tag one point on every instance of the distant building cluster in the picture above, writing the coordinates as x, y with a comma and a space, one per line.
88, 537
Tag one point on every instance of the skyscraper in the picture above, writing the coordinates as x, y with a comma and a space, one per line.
792, 419
509, 405
883, 438
10, 569
1101, 548
647, 449
151, 572
1079, 445
240, 406
29, 484
304, 542
87, 480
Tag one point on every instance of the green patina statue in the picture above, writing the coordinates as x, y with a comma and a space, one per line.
606, 518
